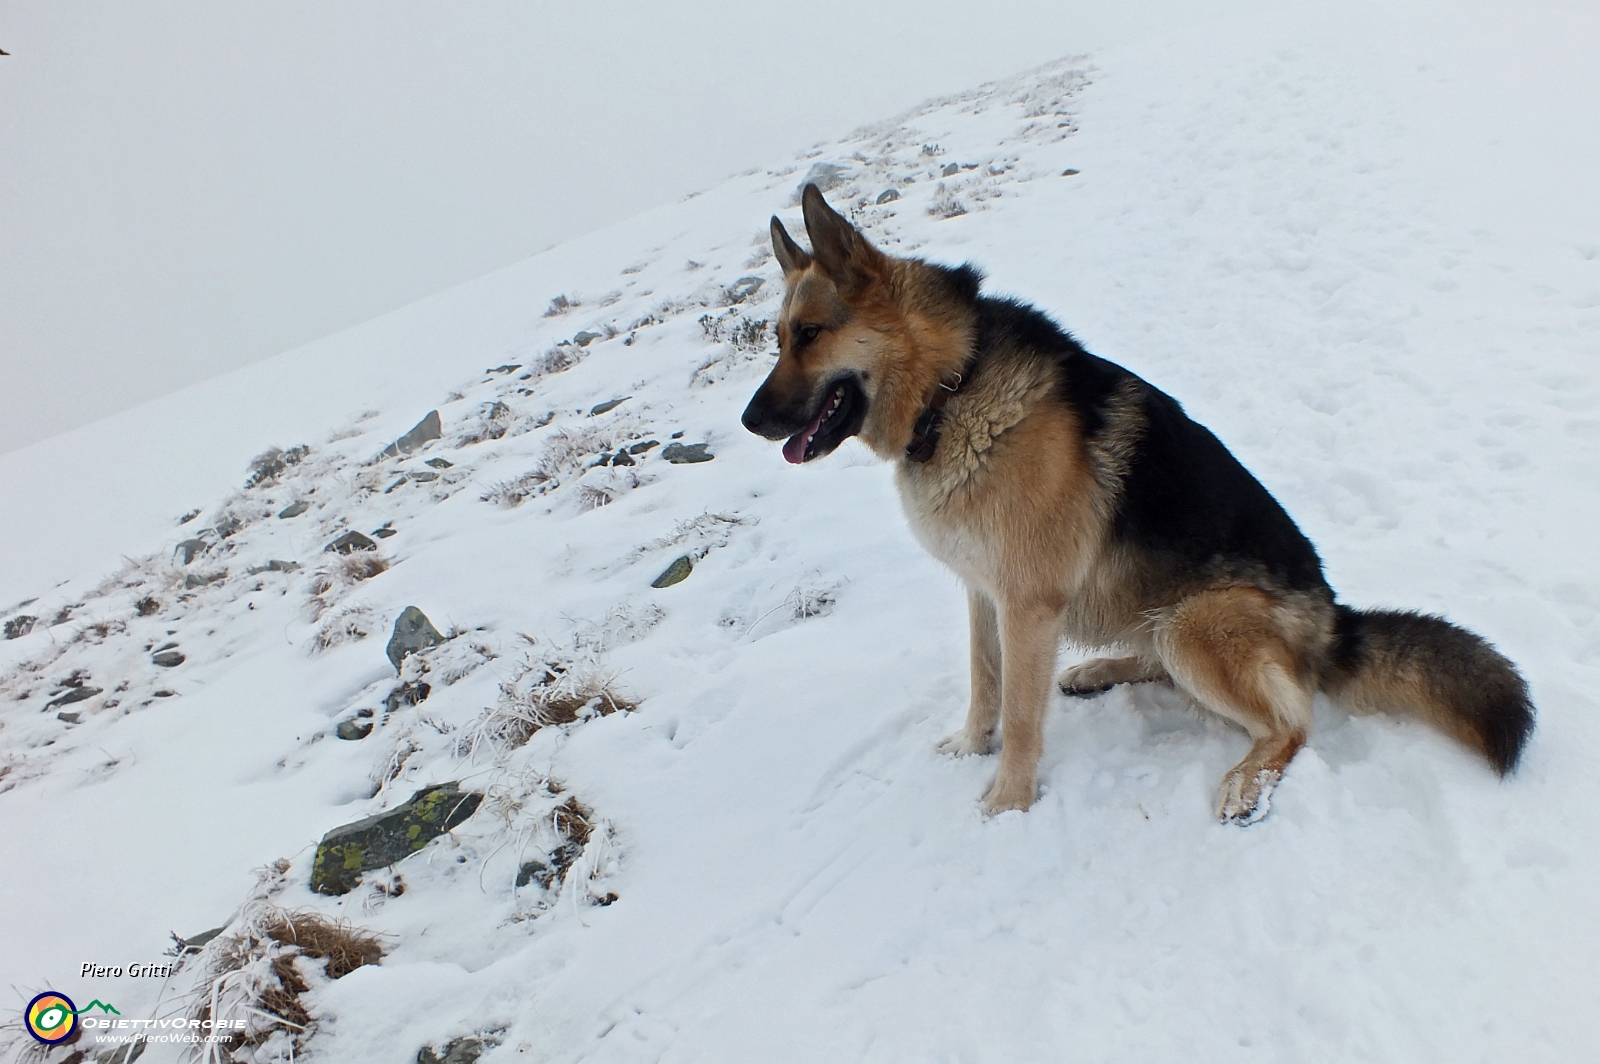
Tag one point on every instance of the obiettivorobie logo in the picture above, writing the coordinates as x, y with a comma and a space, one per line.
53, 1018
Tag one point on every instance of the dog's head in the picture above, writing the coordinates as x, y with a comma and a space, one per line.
835, 336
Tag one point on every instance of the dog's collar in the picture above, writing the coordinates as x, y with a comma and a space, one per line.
925, 433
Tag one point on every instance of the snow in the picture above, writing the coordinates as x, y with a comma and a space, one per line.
1357, 246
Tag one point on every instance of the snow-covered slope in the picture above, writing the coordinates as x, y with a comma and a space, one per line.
1300, 228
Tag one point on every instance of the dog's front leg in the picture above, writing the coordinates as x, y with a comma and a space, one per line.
1029, 632
983, 712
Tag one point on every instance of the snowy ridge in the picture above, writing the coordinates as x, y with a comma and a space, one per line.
774, 864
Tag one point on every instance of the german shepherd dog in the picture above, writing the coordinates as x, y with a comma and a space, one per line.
1076, 500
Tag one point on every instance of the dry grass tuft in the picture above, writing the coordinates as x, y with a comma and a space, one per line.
342, 572
348, 625
259, 974
559, 694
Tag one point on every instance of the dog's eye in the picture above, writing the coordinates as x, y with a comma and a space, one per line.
807, 333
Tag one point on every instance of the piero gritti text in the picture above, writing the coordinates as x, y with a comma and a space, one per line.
131, 971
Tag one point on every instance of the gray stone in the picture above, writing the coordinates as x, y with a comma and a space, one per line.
349, 543
622, 458
227, 527
20, 625
198, 942
407, 694
294, 509
71, 695
353, 729
1069, 173
191, 549
888, 195
429, 428
194, 580
69, 717
676, 573
396, 484
585, 338
273, 566
687, 454
384, 533
826, 176
412, 632
744, 288
423, 476
457, 1051
640, 448
439, 463
381, 840
168, 659
609, 404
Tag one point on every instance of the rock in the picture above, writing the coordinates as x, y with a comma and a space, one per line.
294, 509
888, 195
457, 1051
384, 533
678, 435
71, 695
585, 338
227, 527
687, 454
412, 632
407, 694
429, 428
676, 573
826, 176
744, 288
950, 169
507, 368
1069, 173
497, 411
622, 458
69, 717
20, 625
349, 543
439, 463
162, 693
609, 404
191, 549
353, 729
640, 448
198, 942
168, 659
190, 516
423, 476
273, 566
381, 840
396, 484
194, 580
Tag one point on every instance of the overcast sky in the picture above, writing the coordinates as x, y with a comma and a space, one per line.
186, 187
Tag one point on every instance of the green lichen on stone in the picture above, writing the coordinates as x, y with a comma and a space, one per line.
381, 840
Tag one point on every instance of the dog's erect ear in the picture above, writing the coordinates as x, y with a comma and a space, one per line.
791, 256
843, 253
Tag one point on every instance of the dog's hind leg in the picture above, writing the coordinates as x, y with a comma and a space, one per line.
1098, 675
1029, 635
1226, 650
983, 712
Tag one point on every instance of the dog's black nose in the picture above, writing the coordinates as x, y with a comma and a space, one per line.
755, 415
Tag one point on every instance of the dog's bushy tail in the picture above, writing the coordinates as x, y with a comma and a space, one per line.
1388, 660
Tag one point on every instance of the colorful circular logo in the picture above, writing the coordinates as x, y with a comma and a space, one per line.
52, 1018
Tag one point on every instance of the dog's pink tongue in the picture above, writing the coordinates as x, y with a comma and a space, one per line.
794, 451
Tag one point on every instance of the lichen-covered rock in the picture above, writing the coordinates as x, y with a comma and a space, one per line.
429, 428
349, 543
676, 573
412, 632
379, 841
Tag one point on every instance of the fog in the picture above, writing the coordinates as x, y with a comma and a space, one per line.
189, 187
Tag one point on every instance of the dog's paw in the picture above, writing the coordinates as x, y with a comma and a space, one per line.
1246, 795
1087, 679
1008, 794
962, 744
